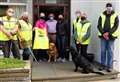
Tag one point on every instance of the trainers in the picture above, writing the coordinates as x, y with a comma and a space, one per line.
59, 59
44, 60
109, 70
63, 60
101, 68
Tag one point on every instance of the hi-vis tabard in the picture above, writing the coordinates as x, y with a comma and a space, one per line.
25, 33
41, 40
112, 21
9, 25
75, 22
82, 31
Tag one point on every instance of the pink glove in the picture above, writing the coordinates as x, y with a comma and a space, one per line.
106, 35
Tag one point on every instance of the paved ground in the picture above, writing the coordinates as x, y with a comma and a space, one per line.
51, 70
48, 70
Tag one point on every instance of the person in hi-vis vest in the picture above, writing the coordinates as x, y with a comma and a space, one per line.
41, 41
75, 21
108, 31
25, 35
8, 33
83, 34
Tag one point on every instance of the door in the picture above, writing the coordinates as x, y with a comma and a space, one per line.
50, 8
53, 8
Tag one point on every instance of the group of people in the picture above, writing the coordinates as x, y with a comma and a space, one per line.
107, 31
52, 30
16, 34
13, 30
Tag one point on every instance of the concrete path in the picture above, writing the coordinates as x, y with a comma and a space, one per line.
45, 71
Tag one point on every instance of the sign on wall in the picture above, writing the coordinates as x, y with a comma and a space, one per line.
51, 1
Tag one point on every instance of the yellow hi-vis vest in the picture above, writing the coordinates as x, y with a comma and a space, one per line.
75, 22
25, 34
81, 32
9, 25
41, 40
112, 21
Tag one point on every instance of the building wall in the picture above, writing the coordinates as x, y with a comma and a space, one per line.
93, 8
20, 6
29, 9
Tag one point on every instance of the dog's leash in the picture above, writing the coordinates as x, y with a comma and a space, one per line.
32, 55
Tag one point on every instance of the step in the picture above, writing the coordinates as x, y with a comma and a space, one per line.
75, 78
16, 74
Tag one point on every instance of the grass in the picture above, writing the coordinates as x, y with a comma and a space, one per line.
6, 63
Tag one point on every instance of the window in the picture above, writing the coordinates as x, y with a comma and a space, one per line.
18, 1
19, 10
14, 1
63, 1
39, 1
3, 0
51, 1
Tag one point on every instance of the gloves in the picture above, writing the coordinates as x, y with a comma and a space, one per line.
106, 35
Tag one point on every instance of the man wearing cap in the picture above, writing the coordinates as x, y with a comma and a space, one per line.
108, 31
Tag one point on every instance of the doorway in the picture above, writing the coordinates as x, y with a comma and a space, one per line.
61, 7
51, 8
3, 9
58, 8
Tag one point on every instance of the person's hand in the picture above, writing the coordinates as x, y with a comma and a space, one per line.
9, 35
106, 35
21, 39
78, 41
79, 45
13, 33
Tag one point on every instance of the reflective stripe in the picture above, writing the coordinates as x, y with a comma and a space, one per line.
9, 25
112, 21
41, 40
9, 29
81, 32
75, 22
25, 30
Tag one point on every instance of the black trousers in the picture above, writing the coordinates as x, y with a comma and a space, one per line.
40, 54
26, 53
11, 45
82, 49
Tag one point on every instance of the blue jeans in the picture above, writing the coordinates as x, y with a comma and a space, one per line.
107, 47
61, 45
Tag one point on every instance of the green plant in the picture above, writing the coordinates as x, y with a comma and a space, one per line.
11, 63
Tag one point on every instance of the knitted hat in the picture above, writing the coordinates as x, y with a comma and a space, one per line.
108, 5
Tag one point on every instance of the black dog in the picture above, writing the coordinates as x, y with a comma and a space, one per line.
83, 63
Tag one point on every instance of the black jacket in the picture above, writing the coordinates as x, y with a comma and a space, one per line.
61, 28
107, 27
